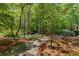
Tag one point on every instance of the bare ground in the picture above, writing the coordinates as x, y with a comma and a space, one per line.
61, 46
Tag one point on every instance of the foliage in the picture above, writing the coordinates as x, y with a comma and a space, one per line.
68, 33
38, 18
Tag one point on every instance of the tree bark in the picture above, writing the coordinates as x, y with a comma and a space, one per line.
22, 7
51, 32
29, 18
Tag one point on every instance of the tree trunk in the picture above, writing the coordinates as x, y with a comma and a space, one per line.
51, 32
24, 28
29, 17
39, 23
20, 20
11, 29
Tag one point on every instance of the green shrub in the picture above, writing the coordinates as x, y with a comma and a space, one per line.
76, 32
68, 33
9, 34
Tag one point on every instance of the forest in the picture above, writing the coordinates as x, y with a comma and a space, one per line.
39, 29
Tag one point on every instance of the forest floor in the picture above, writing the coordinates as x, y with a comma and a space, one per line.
61, 46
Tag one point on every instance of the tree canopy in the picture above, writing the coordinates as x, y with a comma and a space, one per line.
38, 18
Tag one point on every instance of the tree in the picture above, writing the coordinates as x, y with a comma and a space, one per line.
7, 21
22, 8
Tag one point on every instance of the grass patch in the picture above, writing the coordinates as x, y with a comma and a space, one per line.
72, 54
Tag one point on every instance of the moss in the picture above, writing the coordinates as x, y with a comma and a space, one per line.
72, 54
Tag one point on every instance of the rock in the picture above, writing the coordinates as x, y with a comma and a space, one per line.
45, 39
31, 52
29, 45
37, 43
41, 47
20, 54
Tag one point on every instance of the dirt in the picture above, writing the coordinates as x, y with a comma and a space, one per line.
61, 46
6, 44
